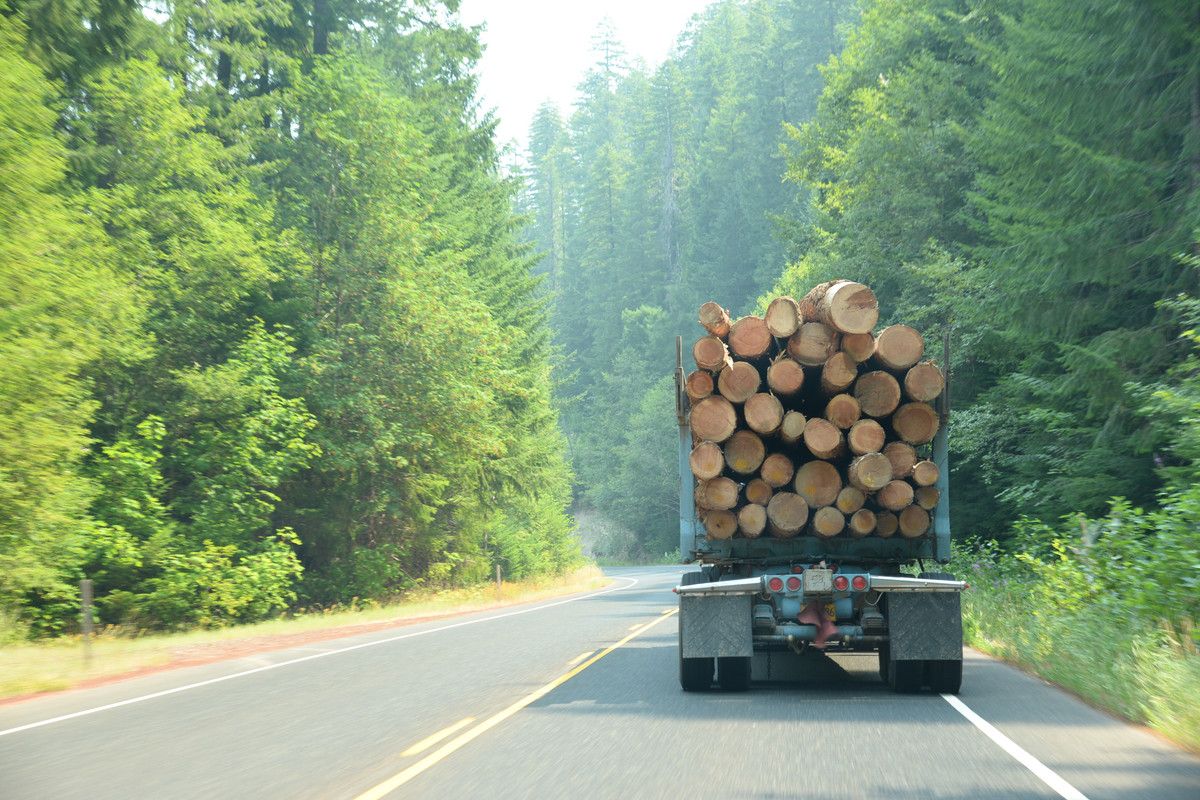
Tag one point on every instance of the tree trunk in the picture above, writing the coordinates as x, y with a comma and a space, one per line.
843, 411
707, 461
698, 385
903, 457
792, 429
763, 413
710, 353
914, 522
777, 470
859, 346
783, 317
720, 524
786, 514
713, 419
738, 383
870, 473
850, 500
720, 494
842, 305
785, 376
865, 436
744, 452
862, 523
715, 320
895, 496
813, 343
827, 522
915, 423
759, 491
823, 439
750, 339
898, 347
838, 373
818, 483
877, 393
924, 382
752, 520
925, 473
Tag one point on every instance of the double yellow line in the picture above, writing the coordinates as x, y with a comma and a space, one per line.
396, 781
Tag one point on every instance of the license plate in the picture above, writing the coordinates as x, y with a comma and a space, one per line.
818, 580
831, 612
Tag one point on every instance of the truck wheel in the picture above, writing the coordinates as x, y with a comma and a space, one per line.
733, 673
695, 674
906, 676
944, 676
885, 657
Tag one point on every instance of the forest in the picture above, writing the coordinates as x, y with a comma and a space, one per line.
280, 324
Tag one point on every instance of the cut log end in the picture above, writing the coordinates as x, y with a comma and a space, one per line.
720, 524
744, 452
713, 419
915, 423
828, 522
783, 317
925, 473
759, 491
752, 520
750, 339
824, 439
787, 514
898, 347
903, 457
710, 353
785, 376
870, 473
914, 522
818, 483
843, 411
895, 496
707, 461
699, 385
792, 429
862, 523
763, 413
924, 382
813, 343
739, 382
715, 319
845, 306
878, 393
865, 436
777, 470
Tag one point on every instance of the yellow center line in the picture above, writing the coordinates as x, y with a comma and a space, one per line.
428, 761
580, 657
425, 744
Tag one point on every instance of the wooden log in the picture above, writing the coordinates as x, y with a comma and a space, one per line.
824, 439
886, 524
713, 419
720, 524
749, 338
895, 496
870, 472
859, 346
744, 452
763, 413
843, 411
865, 436
849, 500
813, 343
915, 423
903, 457
838, 373
862, 523
827, 522
777, 470
699, 385
785, 376
842, 305
710, 353
786, 514
707, 461
739, 382
925, 473
927, 497
914, 522
719, 494
792, 429
898, 347
752, 520
924, 382
878, 393
783, 317
818, 482
715, 320
759, 491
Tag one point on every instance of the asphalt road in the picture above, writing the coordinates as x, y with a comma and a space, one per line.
575, 697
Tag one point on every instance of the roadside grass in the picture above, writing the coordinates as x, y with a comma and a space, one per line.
29, 667
1116, 662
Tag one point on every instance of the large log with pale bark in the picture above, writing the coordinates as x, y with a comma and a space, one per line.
842, 305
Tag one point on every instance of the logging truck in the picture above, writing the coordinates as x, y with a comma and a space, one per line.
813, 496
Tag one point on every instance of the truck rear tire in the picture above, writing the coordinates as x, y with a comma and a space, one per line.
906, 677
944, 677
733, 673
695, 674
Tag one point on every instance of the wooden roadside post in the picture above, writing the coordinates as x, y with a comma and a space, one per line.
89, 627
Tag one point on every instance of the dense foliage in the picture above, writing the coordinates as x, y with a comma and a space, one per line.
268, 332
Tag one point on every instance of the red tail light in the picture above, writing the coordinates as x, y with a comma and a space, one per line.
859, 583
793, 584
775, 584
841, 583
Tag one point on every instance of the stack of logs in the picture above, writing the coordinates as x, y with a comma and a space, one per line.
804, 421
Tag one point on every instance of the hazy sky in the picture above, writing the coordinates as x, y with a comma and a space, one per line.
539, 49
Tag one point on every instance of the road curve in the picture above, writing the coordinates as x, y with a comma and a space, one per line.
579, 697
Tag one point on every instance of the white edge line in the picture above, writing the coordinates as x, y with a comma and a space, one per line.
189, 686
1047, 775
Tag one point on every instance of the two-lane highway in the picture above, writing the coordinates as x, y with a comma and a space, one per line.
571, 697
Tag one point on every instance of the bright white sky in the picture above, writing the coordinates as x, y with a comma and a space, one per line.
538, 50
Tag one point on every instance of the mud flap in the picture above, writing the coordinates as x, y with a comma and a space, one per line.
715, 626
925, 626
